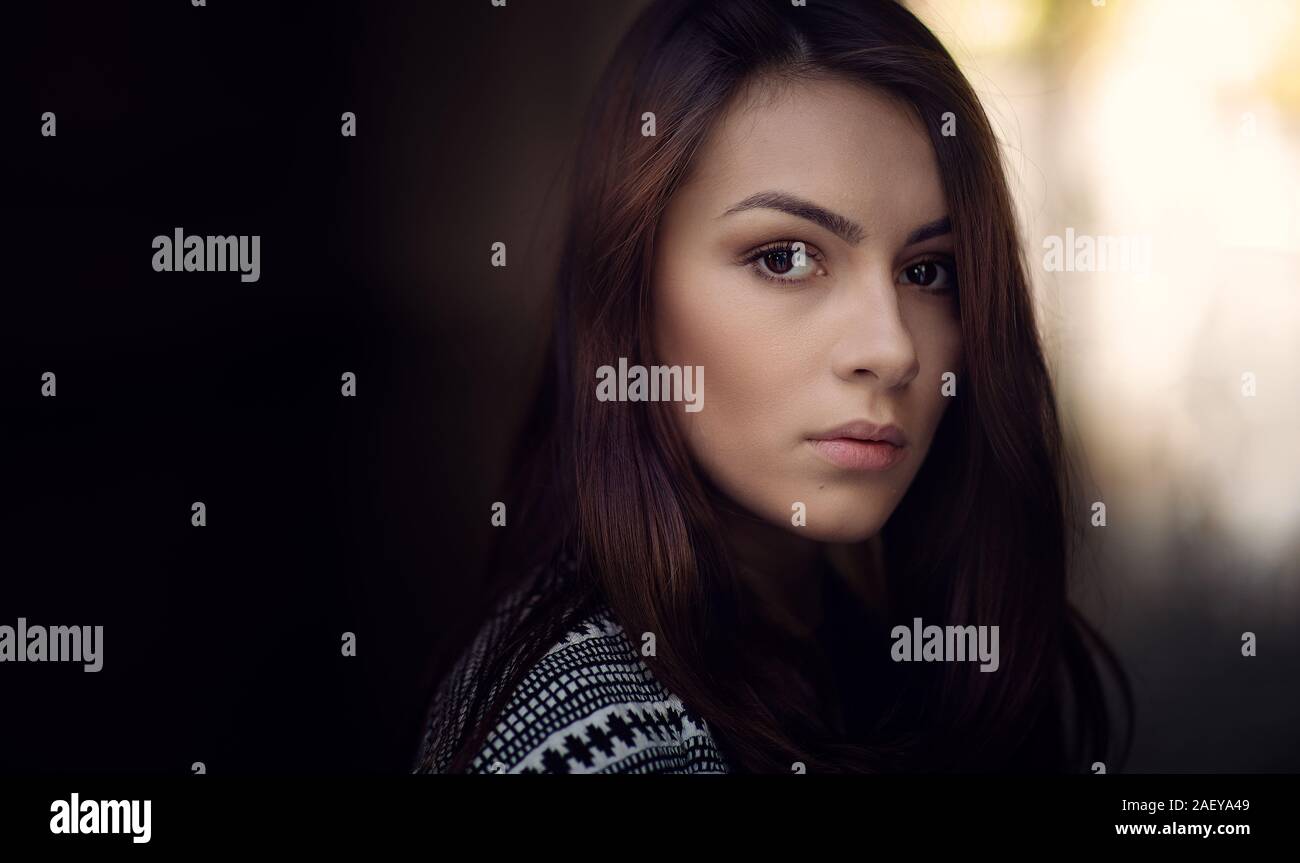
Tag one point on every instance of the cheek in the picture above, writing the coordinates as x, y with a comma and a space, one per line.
713, 317
697, 322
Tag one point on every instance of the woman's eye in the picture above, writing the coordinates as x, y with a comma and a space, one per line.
784, 262
934, 276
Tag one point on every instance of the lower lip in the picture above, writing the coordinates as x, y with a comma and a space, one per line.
853, 454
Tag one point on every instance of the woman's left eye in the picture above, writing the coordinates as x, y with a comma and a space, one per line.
933, 276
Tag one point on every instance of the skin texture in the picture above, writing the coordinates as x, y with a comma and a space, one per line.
855, 334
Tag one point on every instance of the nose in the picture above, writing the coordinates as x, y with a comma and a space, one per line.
873, 340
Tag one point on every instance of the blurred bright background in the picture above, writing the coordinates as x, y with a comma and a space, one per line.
1178, 122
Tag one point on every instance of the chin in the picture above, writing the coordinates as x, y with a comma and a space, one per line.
841, 522
850, 531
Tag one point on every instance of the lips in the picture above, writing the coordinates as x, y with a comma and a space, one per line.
862, 445
862, 430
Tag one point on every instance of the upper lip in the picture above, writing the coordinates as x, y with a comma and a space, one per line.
865, 430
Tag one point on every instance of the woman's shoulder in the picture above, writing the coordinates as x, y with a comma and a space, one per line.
589, 704
592, 705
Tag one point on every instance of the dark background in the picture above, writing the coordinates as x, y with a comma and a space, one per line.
325, 514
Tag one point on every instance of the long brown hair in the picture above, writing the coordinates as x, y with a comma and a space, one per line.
981, 535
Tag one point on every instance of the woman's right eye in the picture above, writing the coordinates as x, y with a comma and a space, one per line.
784, 261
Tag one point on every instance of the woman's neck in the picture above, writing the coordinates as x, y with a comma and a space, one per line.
784, 571
781, 569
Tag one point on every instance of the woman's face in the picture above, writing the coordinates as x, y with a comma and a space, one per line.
804, 359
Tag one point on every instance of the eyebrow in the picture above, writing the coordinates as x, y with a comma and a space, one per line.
843, 227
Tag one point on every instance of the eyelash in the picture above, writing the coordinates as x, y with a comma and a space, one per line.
752, 259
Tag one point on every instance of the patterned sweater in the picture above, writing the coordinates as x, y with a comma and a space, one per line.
589, 705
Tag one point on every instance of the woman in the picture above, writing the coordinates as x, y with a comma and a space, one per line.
806, 203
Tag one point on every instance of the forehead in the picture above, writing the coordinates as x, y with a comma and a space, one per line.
846, 146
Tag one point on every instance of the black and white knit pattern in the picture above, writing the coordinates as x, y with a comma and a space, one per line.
589, 705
